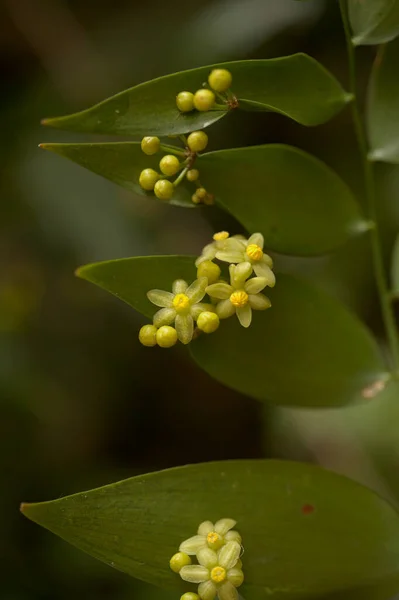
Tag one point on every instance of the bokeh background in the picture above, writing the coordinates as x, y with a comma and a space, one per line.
82, 404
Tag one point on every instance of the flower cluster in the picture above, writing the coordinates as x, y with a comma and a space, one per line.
184, 313
217, 548
178, 162
204, 99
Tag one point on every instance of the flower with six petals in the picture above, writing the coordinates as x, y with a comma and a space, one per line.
181, 306
210, 535
216, 572
251, 251
241, 296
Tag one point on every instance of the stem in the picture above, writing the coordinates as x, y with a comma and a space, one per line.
180, 177
173, 150
378, 262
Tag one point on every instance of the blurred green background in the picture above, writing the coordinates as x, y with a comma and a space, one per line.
82, 403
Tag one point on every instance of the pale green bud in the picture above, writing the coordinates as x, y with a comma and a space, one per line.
179, 560
147, 335
208, 322
210, 270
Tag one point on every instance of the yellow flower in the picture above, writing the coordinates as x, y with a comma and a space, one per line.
251, 251
241, 296
222, 242
211, 535
181, 306
216, 573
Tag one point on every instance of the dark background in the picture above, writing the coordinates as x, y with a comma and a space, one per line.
82, 404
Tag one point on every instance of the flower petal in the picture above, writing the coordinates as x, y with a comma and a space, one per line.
208, 253
230, 256
195, 312
267, 260
220, 290
233, 536
160, 298
229, 555
224, 525
226, 591
225, 309
205, 528
165, 316
240, 238
262, 270
257, 238
179, 286
207, 590
184, 325
194, 573
235, 576
196, 291
244, 314
207, 557
259, 302
240, 274
193, 544
255, 285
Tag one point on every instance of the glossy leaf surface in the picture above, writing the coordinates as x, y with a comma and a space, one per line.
300, 205
307, 532
129, 279
328, 353
122, 163
306, 350
296, 86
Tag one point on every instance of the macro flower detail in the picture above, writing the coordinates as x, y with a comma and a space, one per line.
180, 306
215, 572
251, 251
217, 547
241, 296
214, 536
222, 242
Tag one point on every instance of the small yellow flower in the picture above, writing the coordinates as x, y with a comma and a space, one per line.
251, 251
241, 296
211, 535
222, 242
216, 572
181, 306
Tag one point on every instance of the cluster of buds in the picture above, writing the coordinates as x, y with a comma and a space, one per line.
204, 99
217, 548
185, 312
177, 162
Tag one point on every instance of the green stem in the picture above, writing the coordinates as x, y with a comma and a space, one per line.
180, 177
378, 262
173, 150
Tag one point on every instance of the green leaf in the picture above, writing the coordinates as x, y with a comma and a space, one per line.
296, 86
383, 105
131, 278
299, 204
307, 532
122, 163
374, 21
306, 350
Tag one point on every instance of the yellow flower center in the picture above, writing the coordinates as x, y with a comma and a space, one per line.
222, 235
218, 574
181, 303
215, 541
254, 252
239, 298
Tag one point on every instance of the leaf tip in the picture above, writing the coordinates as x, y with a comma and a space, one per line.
24, 508
349, 97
